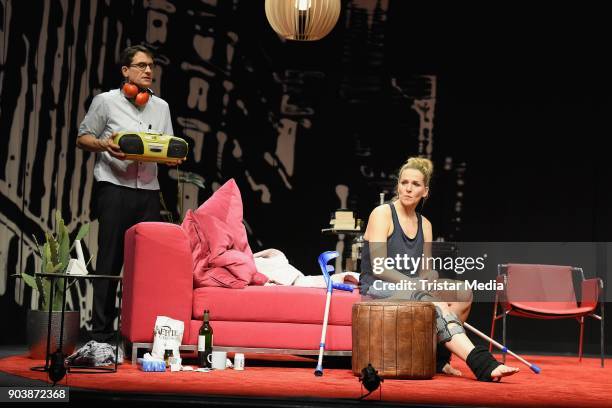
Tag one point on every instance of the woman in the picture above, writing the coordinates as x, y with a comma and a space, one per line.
388, 235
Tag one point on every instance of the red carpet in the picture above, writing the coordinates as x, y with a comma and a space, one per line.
563, 383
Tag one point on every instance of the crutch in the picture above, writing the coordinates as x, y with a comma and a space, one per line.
323, 259
503, 348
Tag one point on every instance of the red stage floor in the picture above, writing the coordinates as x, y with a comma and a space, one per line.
563, 383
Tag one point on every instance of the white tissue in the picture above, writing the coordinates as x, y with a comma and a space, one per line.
75, 267
148, 356
79, 251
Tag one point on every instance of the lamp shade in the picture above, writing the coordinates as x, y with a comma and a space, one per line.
303, 20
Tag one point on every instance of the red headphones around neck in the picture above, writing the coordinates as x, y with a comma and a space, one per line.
136, 95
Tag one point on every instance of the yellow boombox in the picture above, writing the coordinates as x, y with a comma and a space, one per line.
151, 147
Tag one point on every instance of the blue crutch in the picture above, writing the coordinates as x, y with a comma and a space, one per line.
323, 259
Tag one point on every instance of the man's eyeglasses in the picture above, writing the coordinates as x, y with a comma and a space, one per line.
141, 66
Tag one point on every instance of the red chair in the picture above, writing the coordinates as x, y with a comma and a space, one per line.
546, 292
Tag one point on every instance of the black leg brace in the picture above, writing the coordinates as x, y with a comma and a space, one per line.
482, 363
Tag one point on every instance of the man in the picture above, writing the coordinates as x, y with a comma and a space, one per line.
126, 192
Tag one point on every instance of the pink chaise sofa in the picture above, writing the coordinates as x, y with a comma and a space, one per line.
159, 280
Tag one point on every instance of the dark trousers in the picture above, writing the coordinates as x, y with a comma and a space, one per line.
117, 208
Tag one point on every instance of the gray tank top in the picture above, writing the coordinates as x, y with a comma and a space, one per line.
397, 244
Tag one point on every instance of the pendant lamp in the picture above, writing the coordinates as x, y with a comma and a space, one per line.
303, 20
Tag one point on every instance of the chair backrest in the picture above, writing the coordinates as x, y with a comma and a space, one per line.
537, 284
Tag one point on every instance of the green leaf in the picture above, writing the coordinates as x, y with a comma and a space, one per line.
45, 293
56, 268
54, 247
84, 230
29, 280
64, 245
44, 255
58, 220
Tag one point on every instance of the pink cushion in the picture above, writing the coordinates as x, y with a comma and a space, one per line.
220, 248
552, 309
274, 304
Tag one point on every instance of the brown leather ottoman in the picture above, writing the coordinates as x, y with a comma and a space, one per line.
397, 338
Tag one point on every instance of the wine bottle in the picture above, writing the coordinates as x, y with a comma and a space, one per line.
205, 341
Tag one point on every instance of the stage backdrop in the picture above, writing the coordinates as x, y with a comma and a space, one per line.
304, 128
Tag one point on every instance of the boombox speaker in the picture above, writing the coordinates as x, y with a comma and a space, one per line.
152, 147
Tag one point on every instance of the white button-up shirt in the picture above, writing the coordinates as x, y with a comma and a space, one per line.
111, 112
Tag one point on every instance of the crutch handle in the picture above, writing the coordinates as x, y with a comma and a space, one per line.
342, 286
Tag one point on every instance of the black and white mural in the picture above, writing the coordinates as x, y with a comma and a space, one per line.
304, 128
512, 109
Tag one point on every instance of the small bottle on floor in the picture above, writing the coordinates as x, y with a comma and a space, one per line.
167, 354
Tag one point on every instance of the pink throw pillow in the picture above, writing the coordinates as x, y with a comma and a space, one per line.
220, 248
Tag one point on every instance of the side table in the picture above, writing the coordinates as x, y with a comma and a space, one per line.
77, 369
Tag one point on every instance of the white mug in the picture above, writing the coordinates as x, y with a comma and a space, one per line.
239, 361
217, 360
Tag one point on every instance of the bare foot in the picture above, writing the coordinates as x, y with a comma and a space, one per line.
503, 371
450, 370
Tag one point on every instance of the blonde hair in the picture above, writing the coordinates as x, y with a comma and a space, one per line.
425, 166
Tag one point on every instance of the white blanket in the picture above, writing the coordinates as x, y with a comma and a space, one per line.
275, 265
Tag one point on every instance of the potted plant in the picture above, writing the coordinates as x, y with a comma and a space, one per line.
55, 255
